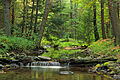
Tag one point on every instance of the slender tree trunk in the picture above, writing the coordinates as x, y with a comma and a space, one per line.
108, 29
60, 5
95, 24
75, 21
13, 18
31, 23
71, 17
26, 17
102, 19
43, 23
110, 14
36, 17
7, 17
88, 28
24, 23
13, 14
118, 8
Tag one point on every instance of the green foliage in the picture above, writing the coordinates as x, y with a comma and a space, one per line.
61, 53
105, 47
70, 43
15, 43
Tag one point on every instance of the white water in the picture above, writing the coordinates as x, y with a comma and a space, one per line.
45, 65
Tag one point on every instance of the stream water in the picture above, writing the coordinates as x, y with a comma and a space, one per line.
49, 73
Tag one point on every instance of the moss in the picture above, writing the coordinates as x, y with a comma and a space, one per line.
106, 63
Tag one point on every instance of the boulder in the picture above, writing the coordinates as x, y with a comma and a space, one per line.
14, 66
26, 60
43, 58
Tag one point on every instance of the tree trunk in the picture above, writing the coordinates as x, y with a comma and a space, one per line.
75, 37
36, 17
26, 17
88, 28
118, 9
43, 23
71, 17
117, 24
95, 24
7, 17
114, 20
24, 11
13, 15
102, 19
108, 29
13, 18
31, 23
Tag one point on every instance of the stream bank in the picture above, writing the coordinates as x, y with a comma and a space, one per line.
75, 56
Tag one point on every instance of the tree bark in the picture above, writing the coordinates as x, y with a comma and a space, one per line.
102, 19
117, 24
13, 18
114, 20
118, 9
7, 4
71, 17
96, 34
75, 36
26, 17
24, 11
43, 23
31, 23
108, 29
36, 17
13, 14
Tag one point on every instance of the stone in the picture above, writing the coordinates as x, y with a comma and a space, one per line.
14, 66
112, 72
26, 60
44, 58
66, 72
116, 77
104, 71
7, 66
1, 66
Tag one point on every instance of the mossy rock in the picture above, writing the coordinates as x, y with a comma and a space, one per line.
106, 63
112, 72
97, 66
7, 66
12, 54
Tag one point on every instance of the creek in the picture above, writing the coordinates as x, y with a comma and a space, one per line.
47, 71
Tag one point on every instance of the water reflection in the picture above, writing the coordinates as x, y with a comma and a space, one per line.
48, 74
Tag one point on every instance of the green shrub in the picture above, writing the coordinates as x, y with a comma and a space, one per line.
15, 43
104, 47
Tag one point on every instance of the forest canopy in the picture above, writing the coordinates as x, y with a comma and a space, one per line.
44, 20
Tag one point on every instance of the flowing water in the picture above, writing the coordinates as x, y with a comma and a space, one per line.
48, 71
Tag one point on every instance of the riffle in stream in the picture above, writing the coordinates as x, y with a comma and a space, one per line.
49, 71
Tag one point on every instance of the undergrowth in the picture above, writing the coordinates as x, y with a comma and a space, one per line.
105, 47
15, 43
62, 53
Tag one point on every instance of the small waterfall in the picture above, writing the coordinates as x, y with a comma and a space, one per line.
21, 64
33, 64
